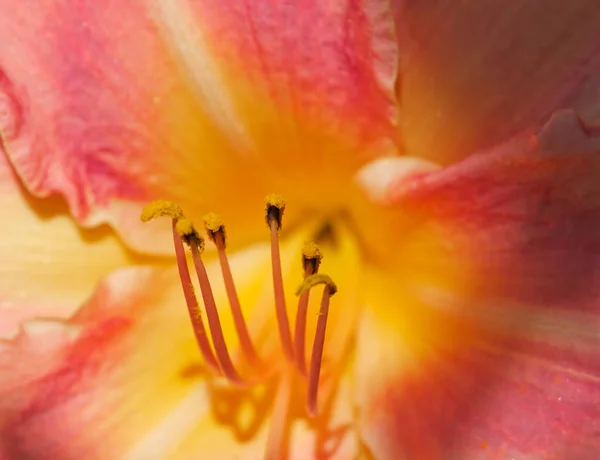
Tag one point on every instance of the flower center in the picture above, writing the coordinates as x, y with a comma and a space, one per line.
216, 355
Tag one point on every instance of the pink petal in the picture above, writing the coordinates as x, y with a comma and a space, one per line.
48, 265
500, 355
111, 105
475, 73
96, 385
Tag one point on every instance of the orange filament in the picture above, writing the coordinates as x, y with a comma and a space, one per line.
216, 232
300, 333
192, 302
275, 206
285, 335
214, 322
317, 353
220, 361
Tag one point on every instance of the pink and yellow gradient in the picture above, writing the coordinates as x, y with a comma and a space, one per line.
467, 315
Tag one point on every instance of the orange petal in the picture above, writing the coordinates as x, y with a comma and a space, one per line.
184, 100
49, 266
475, 73
486, 345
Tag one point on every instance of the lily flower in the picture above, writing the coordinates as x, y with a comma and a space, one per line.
438, 168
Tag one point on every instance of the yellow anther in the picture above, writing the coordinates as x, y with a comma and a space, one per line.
184, 227
214, 225
311, 254
213, 222
274, 207
312, 280
158, 208
189, 234
311, 251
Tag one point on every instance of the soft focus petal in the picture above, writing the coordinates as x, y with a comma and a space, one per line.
125, 368
95, 386
111, 104
489, 347
476, 72
93, 106
49, 266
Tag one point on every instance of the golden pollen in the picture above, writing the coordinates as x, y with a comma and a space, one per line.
274, 207
189, 234
214, 226
159, 208
311, 258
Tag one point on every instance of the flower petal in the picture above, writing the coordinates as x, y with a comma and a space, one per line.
126, 367
67, 387
476, 73
49, 266
489, 347
180, 100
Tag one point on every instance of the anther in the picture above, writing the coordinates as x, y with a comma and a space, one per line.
189, 234
319, 342
274, 208
159, 208
215, 228
311, 260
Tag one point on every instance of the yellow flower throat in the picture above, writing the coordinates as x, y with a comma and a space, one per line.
217, 357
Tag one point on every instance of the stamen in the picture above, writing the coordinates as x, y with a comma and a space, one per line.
275, 205
220, 361
216, 232
317, 351
311, 259
165, 208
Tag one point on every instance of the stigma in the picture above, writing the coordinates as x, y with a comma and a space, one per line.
210, 337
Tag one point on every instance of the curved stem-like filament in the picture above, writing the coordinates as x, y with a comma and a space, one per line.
214, 322
300, 332
285, 335
234, 303
317, 353
192, 303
